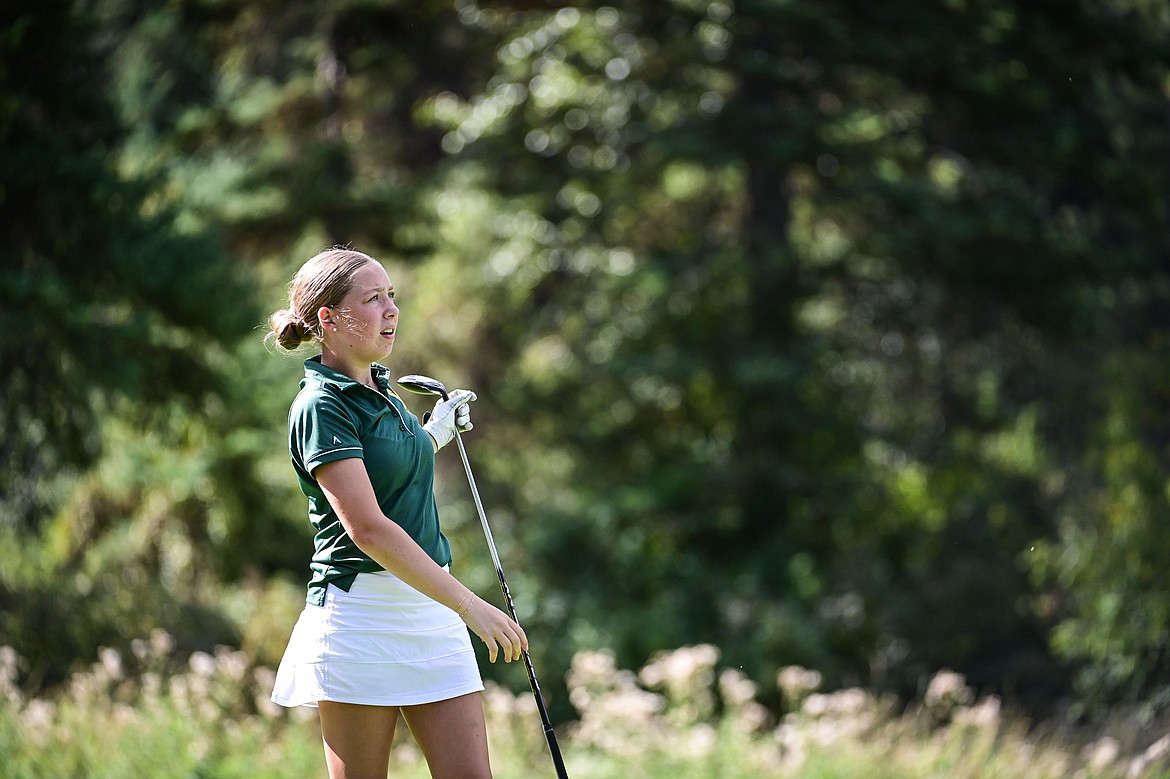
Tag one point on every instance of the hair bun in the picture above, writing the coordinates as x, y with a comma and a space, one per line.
289, 330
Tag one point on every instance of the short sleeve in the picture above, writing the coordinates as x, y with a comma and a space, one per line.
321, 431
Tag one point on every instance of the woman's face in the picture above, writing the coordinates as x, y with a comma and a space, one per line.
365, 320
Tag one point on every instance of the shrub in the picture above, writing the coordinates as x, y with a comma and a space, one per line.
679, 716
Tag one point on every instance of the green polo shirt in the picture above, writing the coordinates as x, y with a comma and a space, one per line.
334, 417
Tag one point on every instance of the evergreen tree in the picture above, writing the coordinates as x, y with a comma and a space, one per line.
804, 294
104, 295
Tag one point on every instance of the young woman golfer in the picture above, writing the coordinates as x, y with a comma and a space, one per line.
384, 628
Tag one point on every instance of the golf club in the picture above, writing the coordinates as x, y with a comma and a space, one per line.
424, 385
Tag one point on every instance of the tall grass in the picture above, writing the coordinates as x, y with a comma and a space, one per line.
679, 717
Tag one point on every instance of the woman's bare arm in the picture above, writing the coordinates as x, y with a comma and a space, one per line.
347, 486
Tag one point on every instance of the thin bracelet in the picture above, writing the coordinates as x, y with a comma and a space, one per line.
468, 601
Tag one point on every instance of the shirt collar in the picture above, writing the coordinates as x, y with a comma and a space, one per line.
317, 372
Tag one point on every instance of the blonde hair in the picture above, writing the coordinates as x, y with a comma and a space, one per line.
324, 280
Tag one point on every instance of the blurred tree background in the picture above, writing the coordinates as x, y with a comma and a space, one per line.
831, 333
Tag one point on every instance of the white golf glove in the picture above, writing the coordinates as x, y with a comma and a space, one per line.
449, 414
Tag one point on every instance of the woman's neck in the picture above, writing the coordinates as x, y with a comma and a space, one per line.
361, 373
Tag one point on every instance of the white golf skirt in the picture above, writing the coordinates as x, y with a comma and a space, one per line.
383, 643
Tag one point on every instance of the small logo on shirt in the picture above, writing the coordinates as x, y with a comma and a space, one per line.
336, 440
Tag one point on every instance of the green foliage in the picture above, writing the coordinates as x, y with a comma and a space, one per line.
138, 715
800, 316
829, 334
1107, 554
127, 348
114, 300
681, 715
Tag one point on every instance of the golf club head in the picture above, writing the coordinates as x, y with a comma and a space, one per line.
423, 385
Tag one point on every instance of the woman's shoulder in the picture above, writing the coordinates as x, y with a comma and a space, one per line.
315, 395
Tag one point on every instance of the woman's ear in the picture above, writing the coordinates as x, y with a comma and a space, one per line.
325, 317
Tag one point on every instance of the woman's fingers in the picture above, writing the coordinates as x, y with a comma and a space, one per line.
506, 642
498, 631
511, 642
521, 642
513, 647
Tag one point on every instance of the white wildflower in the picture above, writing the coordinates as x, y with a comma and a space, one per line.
796, 682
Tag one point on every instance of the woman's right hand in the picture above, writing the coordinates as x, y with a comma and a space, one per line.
496, 629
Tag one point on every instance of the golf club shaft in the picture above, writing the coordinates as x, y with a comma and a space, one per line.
549, 735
